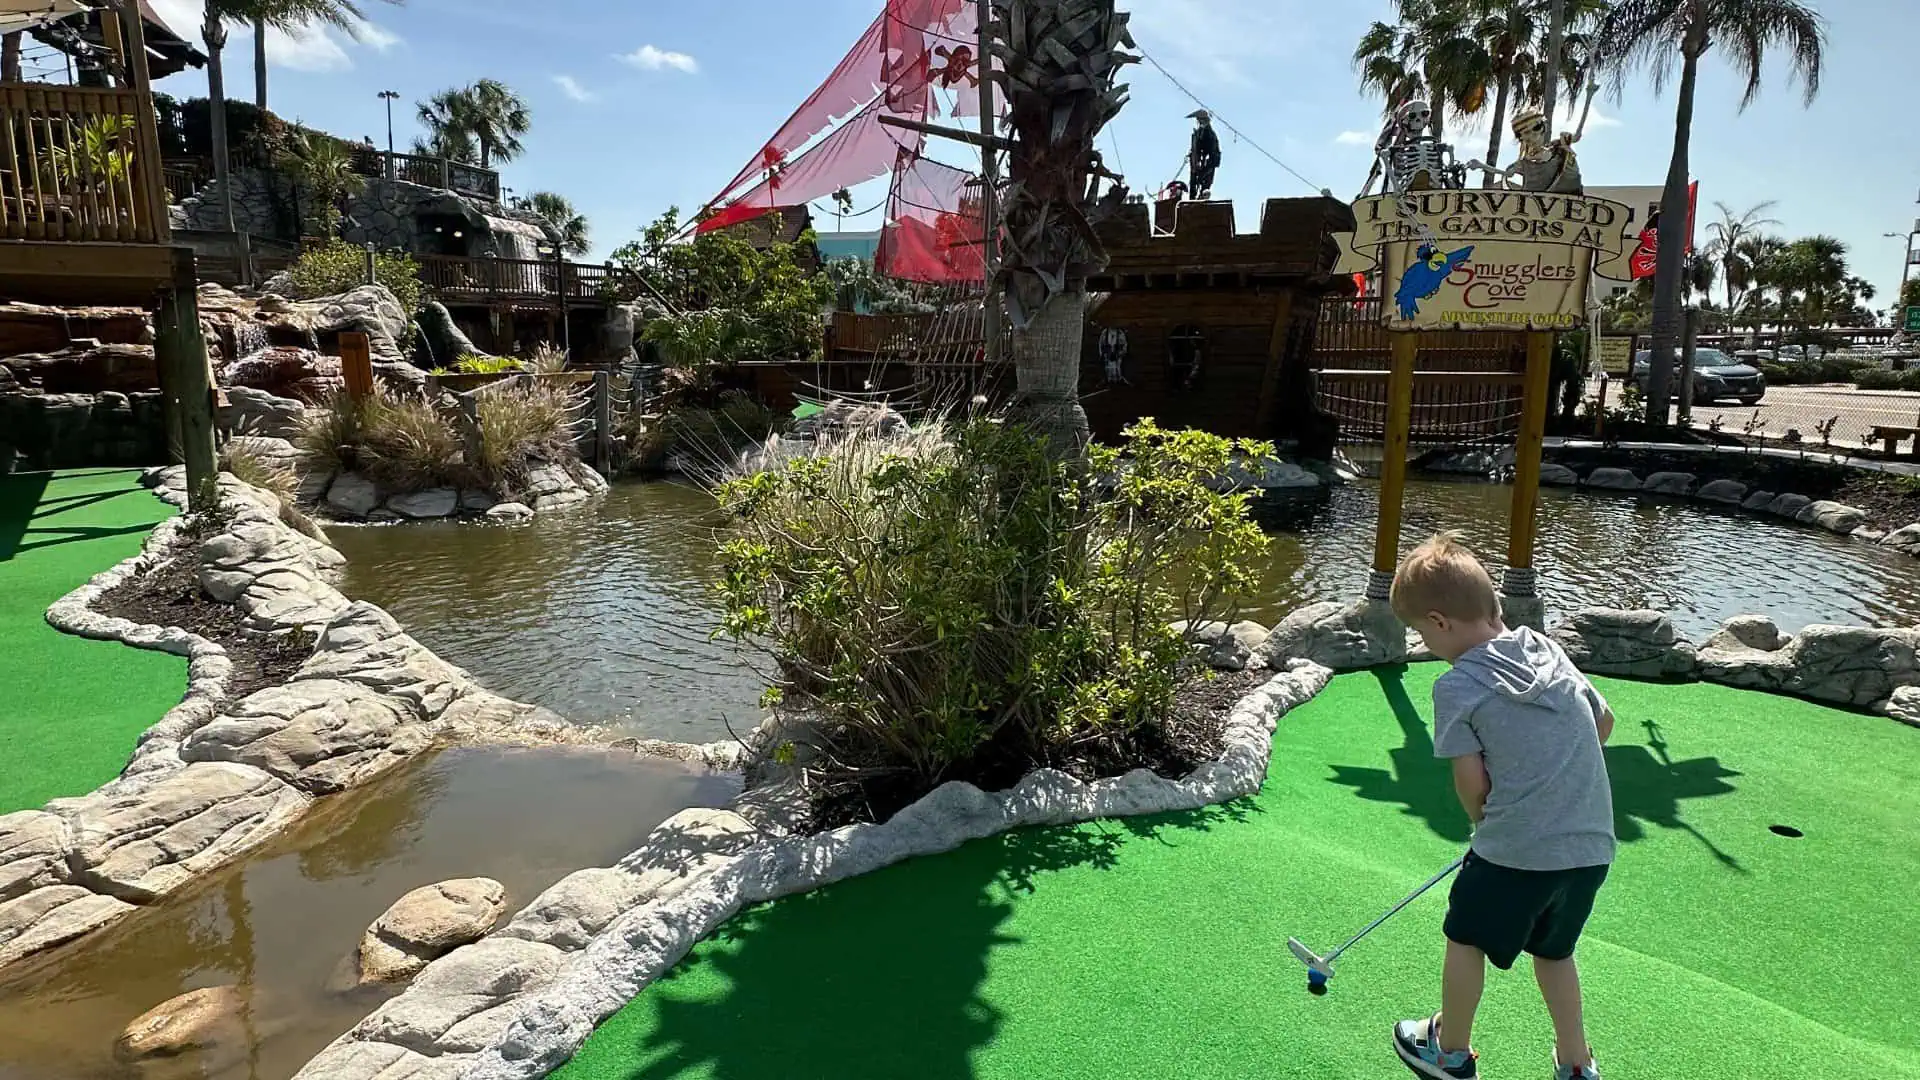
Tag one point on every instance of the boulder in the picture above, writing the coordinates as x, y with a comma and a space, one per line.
1343, 637
509, 511
369, 309
1556, 475
462, 991
1747, 632
427, 923
1613, 480
477, 501
319, 735
1637, 644
560, 501
1726, 492
1904, 705
1524, 611
1757, 500
1669, 483
53, 915
444, 338
363, 645
1788, 505
1907, 540
257, 412
33, 328
209, 1023
143, 842
353, 494
33, 852
87, 368
1852, 665
275, 453
1266, 474
431, 503
286, 371
1229, 648
1831, 516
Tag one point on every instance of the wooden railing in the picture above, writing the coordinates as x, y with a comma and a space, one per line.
470, 279
429, 172
1467, 385
69, 170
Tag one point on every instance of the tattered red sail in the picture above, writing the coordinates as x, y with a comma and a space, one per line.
859, 150
931, 43
934, 225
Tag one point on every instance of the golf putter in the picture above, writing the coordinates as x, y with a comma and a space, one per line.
1320, 968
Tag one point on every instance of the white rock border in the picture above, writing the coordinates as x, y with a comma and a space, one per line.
521, 1003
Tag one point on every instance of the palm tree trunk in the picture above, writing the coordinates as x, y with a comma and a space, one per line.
1499, 118
260, 64
10, 57
1669, 278
214, 34
1046, 367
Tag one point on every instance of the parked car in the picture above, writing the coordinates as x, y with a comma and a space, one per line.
1715, 376
1794, 354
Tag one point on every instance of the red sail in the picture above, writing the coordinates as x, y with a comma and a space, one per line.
931, 43
933, 229
860, 150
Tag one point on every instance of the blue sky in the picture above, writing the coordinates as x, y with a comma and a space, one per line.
643, 104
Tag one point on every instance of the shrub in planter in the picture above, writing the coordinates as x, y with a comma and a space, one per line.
520, 426
337, 267
977, 602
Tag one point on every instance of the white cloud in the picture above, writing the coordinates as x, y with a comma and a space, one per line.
571, 87
1217, 42
377, 38
308, 48
653, 58
1355, 138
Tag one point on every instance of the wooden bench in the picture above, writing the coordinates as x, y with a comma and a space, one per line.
1891, 438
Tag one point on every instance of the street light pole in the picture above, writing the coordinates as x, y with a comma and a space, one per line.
989, 194
389, 96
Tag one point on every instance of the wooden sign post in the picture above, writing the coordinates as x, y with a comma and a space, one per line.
1462, 261
356, 364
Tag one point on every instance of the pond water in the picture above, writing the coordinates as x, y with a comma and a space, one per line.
604, 614
281, 920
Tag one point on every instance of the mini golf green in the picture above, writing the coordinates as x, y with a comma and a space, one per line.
1156, 949
72, 707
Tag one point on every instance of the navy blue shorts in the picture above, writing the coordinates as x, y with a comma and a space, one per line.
1504, 912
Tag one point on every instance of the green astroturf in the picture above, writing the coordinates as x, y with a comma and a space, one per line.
71, 708
1156, 950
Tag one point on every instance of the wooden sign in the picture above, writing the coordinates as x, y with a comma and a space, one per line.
1488, 260
356, 364
1616, 353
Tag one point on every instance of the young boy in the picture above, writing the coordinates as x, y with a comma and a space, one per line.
1524, 730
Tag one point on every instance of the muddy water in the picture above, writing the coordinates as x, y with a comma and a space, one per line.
603, 614
281, 921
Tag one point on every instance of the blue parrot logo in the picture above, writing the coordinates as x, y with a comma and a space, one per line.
1429, 271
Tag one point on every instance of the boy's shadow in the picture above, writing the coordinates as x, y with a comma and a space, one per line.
1647, 783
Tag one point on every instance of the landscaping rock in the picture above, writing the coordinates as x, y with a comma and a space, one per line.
1907, 540
478, 501
255, 545
1747, 632
365, 646
273, 452
1831, 516
459, 988
286, 371
210, 1023
53, 915
1636, 644
141, 844
1229, 648
432, 503
353, 494
549, 503
1904, 705
1555, 475
1758, 500
349, 1060
1868, 533
87, 368
1343, 637
1613, 480
1788, 505
1524, 611
320, 735
257, 412
428, 923
1728, 492
1669, 483
1852, 665
510, 511
33, 852
369, 309
1267, 474
692, 832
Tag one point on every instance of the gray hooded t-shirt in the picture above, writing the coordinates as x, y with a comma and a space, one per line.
1519, 701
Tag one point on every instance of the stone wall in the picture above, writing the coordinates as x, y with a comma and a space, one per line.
62, 431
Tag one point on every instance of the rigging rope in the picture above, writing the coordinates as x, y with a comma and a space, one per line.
1215, 113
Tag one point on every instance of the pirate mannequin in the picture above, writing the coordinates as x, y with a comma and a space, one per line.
1203, 156
1543, 165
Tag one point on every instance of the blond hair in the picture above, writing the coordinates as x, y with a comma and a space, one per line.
1443, 575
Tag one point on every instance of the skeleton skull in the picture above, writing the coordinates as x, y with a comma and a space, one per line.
1415, 115
1530, 127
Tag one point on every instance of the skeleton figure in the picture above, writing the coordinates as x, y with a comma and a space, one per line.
1409, 156
1113, 355
1543, 165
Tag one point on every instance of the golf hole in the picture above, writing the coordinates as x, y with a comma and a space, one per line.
1787, 831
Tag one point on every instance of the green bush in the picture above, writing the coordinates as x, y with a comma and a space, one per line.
710, 435
979, 600
1827, 369
337, 267
1882, 379
331, 431
476, 364
405, 444
521, 426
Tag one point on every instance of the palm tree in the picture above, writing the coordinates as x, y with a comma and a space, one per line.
321, 164
559, 212
1724, 246
1649, 33
1748, 267
1058, 61
488, 114
261, 14
453, 144
1429, 53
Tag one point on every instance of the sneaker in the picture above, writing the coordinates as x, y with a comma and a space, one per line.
1589, 1071
1418, 1042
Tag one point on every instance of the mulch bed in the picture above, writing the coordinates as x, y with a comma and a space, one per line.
1890, 502
1192, 735
170, 595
